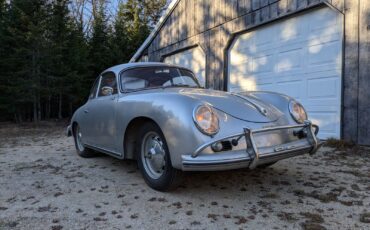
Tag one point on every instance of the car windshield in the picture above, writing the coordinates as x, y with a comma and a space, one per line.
155, 77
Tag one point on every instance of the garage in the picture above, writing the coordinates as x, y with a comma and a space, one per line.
300, 56
193, 59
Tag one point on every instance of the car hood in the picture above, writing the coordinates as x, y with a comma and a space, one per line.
242, 106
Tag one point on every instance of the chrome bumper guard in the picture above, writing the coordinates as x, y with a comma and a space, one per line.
257, 156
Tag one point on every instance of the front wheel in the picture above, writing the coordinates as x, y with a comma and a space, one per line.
82, 151
154, 160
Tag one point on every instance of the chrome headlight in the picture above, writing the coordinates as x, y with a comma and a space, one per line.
297, 111
206, 120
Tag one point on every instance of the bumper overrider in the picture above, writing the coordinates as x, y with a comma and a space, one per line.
253, 156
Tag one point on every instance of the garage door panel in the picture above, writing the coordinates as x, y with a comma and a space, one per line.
326, 53
285, 47
300, 57
265, 87
331, 108
294, 76
289, 60
290, 30
244, 43
193, 59
239, 58
262, 80
328, 123
292, 88
262, 64
264, 37
322, 88
325, 19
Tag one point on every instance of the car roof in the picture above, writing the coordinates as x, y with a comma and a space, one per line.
118, 68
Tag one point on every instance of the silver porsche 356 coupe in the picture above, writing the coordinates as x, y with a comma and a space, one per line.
159, 115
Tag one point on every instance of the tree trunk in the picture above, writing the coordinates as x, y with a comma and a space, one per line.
48, 108
35, 109
39, 107
16, 118
60, 106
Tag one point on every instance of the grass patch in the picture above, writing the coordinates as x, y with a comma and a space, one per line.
339, 144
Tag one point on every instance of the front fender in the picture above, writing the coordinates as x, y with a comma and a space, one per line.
172, 113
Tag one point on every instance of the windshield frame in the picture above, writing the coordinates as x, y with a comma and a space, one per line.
122, 90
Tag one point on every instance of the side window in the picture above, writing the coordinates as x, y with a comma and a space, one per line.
94, 89
108, 85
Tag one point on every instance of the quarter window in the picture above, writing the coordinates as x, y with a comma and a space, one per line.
108, 85
94, 89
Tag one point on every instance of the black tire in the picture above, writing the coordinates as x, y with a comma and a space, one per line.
169, 178
81, 150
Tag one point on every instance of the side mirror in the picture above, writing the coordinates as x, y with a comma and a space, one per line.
107, 91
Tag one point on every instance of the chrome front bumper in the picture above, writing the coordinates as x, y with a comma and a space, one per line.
252, 156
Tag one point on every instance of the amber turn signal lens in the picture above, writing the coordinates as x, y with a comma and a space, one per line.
206, 120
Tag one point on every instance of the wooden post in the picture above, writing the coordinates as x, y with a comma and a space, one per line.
364, 74
350, 73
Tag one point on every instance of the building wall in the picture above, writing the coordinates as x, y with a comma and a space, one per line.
213, 24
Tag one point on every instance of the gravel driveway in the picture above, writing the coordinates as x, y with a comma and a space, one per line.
45, 185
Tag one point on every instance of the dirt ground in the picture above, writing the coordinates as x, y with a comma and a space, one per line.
45, 185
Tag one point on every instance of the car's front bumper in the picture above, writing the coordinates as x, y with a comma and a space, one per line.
252, 156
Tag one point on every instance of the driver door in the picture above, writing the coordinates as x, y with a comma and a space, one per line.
103, 111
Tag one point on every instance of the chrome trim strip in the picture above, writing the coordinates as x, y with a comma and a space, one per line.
114, 154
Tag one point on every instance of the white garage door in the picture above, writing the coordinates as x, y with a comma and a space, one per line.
193, 59
300, 57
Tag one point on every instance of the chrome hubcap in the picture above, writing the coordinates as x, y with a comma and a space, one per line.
80, 146
153, 155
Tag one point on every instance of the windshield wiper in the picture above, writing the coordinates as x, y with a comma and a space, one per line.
178, 85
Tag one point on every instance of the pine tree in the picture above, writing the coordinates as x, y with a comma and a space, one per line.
153, 10
137, 28
100, 54
4, 104
78, 79
24, 43
119, 39
48, 60
139, 18
58, 69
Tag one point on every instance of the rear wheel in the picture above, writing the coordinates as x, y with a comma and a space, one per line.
154, 160
82, 151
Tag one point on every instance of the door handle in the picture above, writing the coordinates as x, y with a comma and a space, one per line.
86, 111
